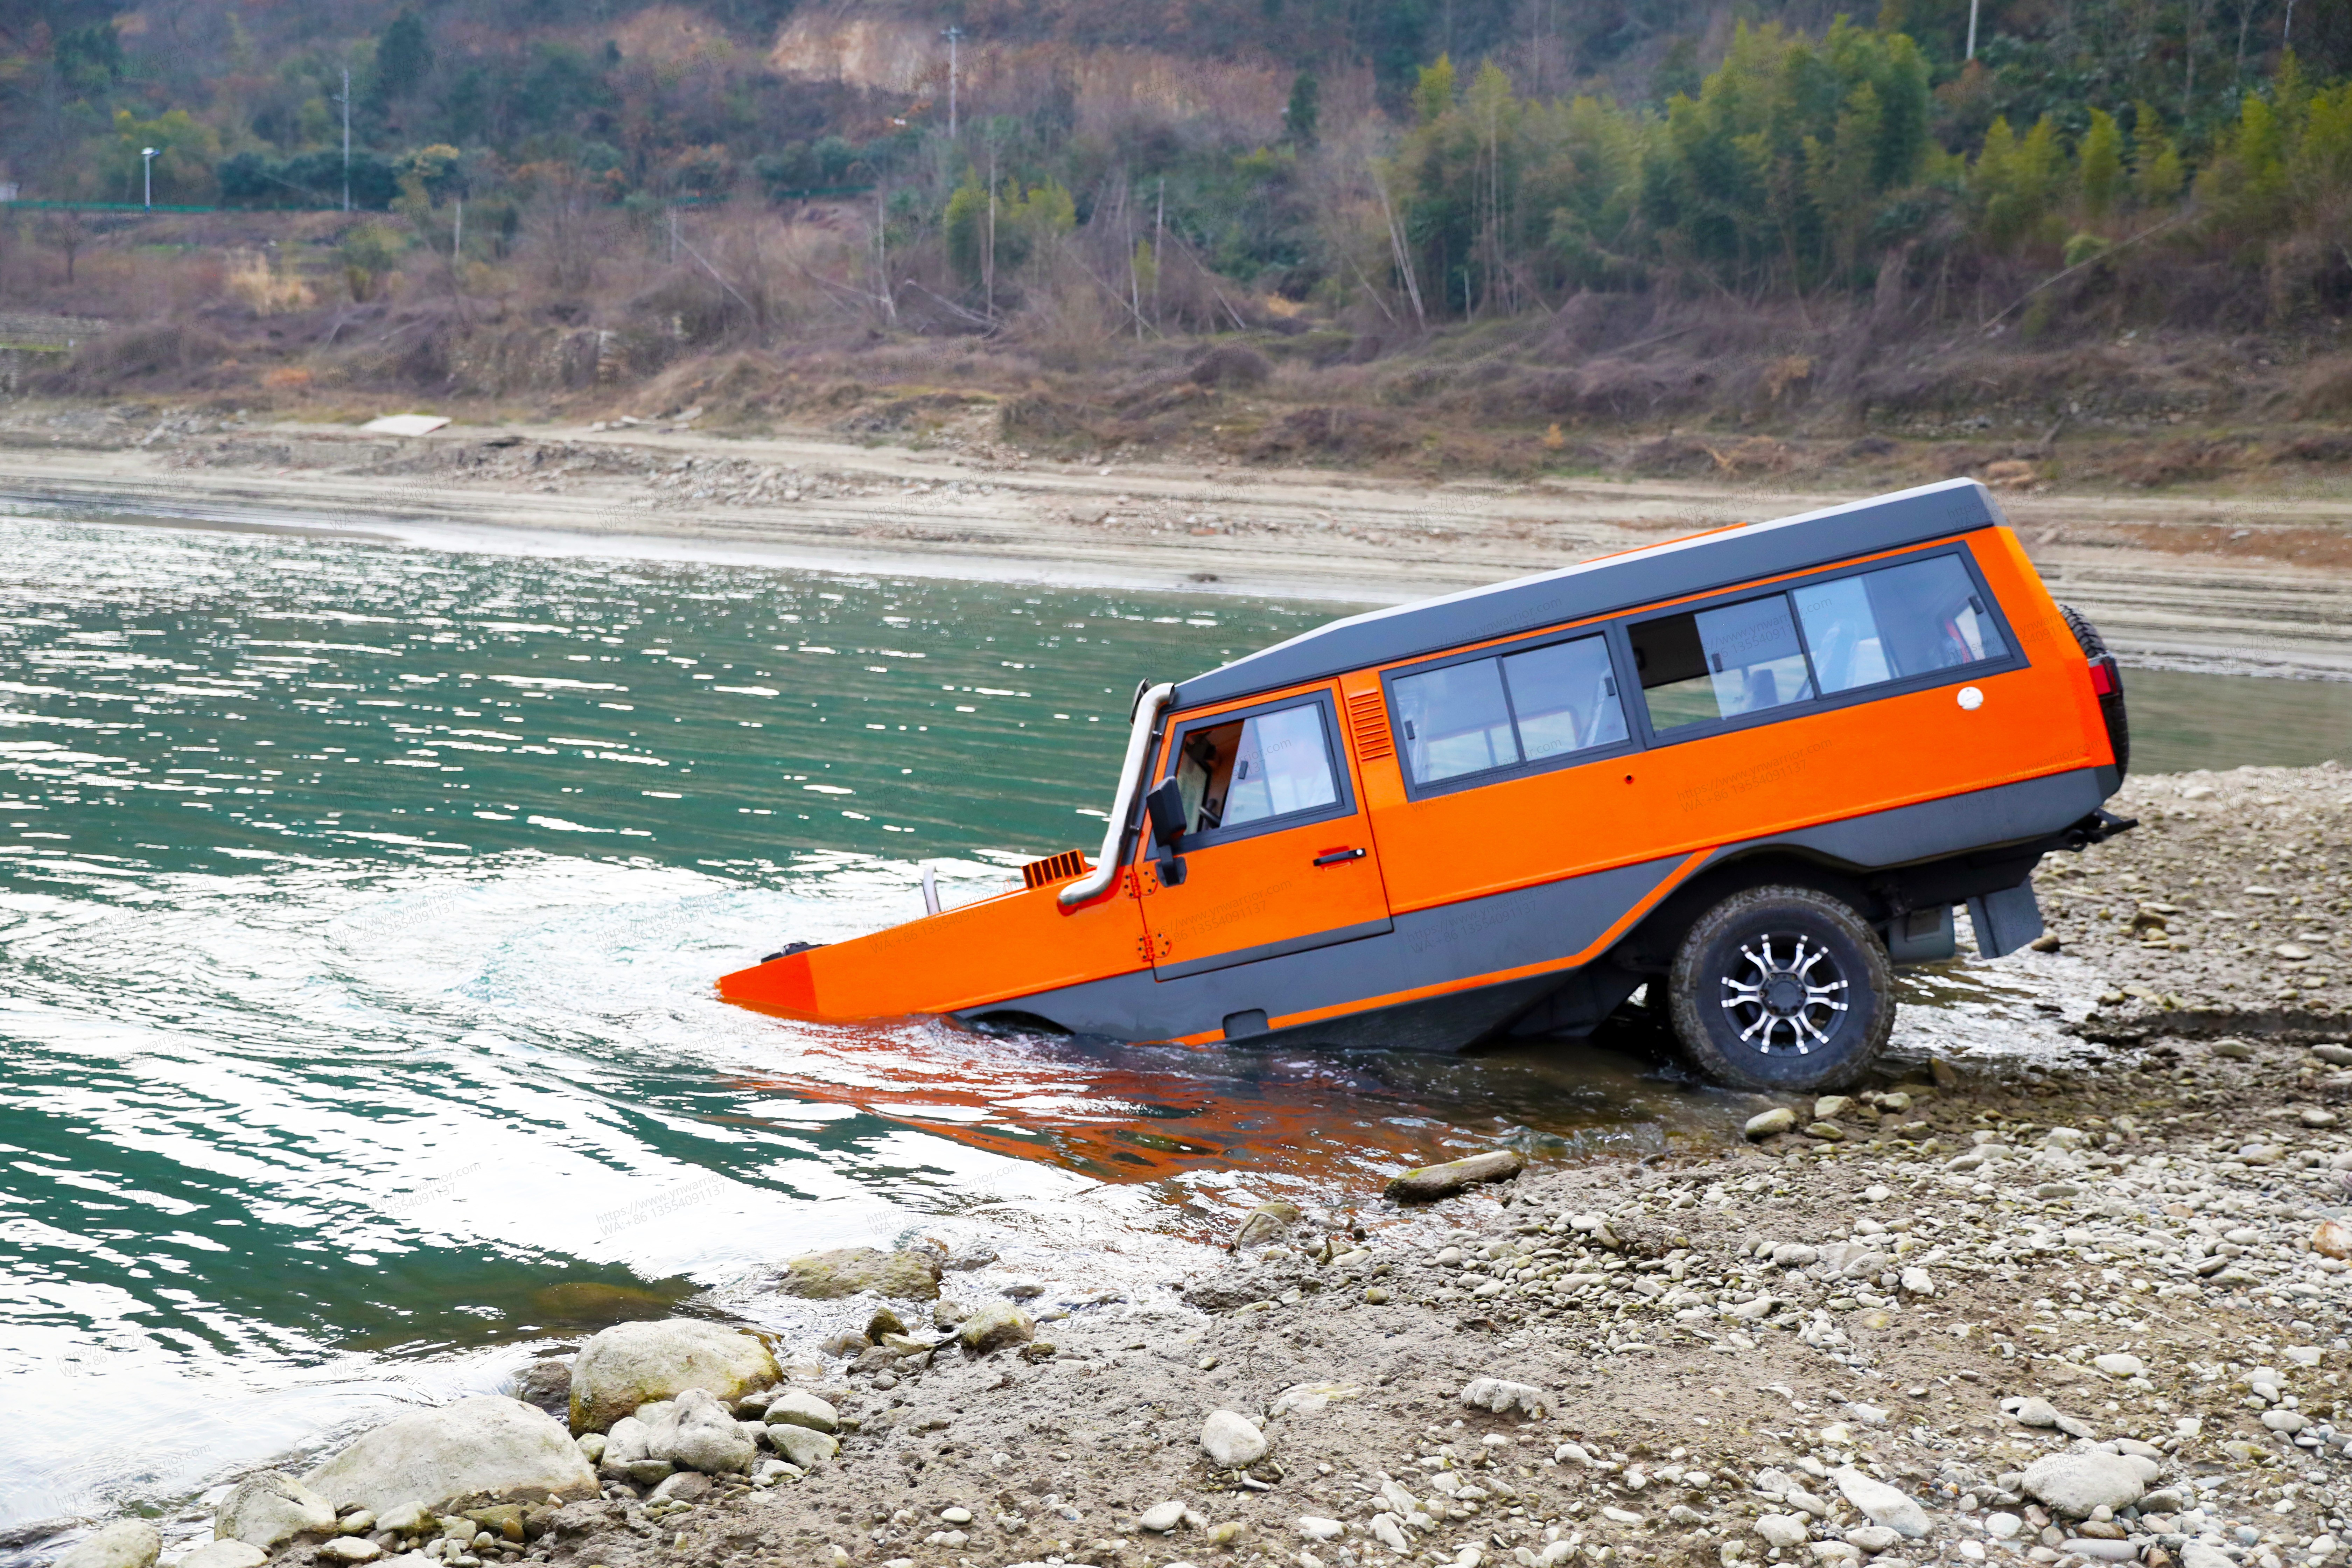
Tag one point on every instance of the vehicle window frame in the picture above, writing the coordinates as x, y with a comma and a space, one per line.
1877, 691
1639, 736
1334, 750
1621, 663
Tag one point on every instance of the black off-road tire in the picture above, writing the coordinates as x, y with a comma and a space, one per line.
2110, 706
1799, 968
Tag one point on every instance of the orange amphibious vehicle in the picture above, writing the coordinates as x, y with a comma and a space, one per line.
1753, 770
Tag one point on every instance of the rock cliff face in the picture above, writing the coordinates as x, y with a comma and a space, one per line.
900, 49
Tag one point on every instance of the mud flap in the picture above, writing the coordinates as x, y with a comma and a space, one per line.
2005, 920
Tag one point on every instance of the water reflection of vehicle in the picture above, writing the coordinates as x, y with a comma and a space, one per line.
1752, 769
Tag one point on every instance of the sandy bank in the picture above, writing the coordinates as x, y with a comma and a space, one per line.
2234, 583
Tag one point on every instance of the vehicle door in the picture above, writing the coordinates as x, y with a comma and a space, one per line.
1277, 854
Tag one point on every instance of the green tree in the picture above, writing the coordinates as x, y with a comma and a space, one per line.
1434, 94
404, 56
964, 224
2158, 173
2101, 159
2014, 184
1841, 175
1305, 109
187, 151
1677, 75
87, 60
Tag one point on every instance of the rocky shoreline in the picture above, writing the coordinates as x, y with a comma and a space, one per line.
1985, 1310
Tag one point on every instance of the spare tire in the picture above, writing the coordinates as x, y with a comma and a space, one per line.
2111, 701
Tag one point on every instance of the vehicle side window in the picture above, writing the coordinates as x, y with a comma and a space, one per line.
1723, 663
1497, 713
1254, 769
1912, 619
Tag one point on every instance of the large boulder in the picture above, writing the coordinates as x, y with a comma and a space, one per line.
125, 1543
847, 1271
695, 1432
631, 1364
2073, 1484
269, 1509
490, 1446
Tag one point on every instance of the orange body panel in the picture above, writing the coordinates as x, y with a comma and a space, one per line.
1749, 783
1007, 946
1259, 891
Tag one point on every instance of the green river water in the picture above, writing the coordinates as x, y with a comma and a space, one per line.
360, 905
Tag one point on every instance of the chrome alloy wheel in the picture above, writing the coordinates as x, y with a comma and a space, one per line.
1803, 994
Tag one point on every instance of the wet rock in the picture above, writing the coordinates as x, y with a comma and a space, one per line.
994, 1327
1885, 1504
489, 1445
803, 1447
411, 1518
125, 1543
271, 1509
695, 1432
1269, 1221
948, 1314
1426, 1184
799, 1408
547, 1384
624, 1444
214, 1554
1769, 1123
2075, 1484
1231, 1440
884, 1323
1500, 1395
910, 1274
631, 1364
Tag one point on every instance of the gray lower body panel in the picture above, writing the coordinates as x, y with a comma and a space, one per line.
1528, 925
1509, 931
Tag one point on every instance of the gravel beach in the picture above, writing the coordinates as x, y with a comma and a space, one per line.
2074, 1308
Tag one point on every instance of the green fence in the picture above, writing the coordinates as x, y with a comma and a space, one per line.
102, 207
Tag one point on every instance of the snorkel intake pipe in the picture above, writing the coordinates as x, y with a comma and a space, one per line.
1148, 705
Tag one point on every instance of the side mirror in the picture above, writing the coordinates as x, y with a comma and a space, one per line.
1166, 806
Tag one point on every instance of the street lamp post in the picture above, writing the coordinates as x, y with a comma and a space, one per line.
953, 36
147, 167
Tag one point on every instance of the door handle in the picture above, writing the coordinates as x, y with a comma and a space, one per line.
1339, 857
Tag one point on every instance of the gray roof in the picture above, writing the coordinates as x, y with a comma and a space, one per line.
1601, 587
